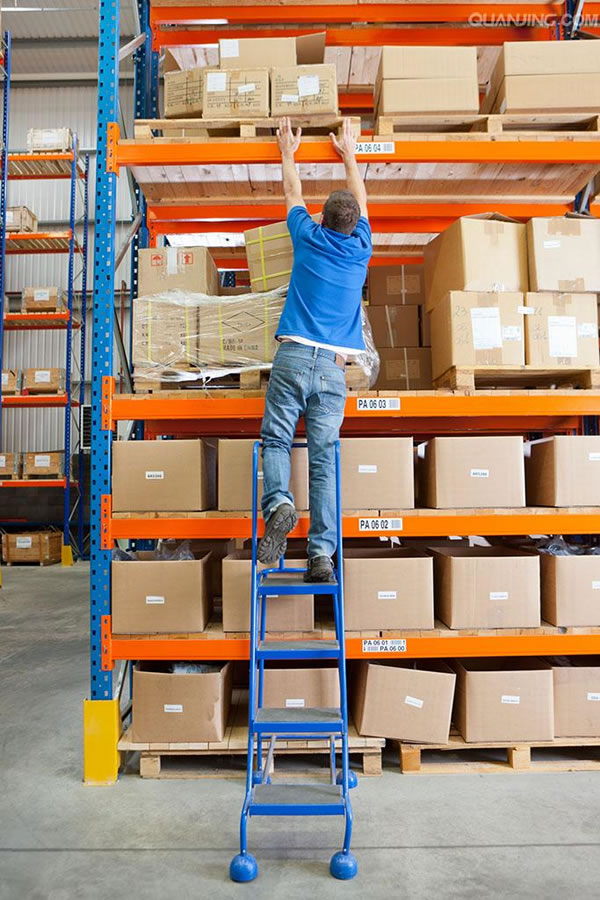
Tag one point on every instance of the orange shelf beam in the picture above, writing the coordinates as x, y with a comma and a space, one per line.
36, 400
233, 263
239, 226
22, 321
35, 483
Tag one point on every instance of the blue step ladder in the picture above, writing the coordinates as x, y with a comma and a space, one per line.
263, 797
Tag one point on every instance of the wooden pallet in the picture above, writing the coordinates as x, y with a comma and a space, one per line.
41, 476
198, 760
479, 126
468, 379
502, 756
39, 391
185, 130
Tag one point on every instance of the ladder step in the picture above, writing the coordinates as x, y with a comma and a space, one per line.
298, 650
293, 583
297, 800
301, 720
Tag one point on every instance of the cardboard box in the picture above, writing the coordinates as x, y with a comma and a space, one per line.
160, 597
238, 331
49, 140
570, 590
564, 253
485, 252
293, 612
429, 63
409, 701
49, 463
477, 329
310, 688
404, 369
563, 471
304, 90
487, 587
377, 473
41, 547
387, 589
10, 465
20, 219
43, 381
232, 93
425, 318
473, 472
177, 269
391, 285
398, 97
576, 696
163, 476
165, 333
43, 299
11, 381
257, 53
561, 330
183, 93
548, 93
235, 475
504, 700
394, 326
270, 255
183, 707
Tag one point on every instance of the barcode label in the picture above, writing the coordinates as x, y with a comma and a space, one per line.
498, 595
154, 599
374, 404
383, 645
155, 475
380, 524
367, 470
510, 698
294, 703
593, 696
596, 585
173, 707
374, 147
480, 473
387, 595
413, 701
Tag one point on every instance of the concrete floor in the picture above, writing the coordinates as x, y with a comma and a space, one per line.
468, 837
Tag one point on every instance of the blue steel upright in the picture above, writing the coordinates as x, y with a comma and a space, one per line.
5, 50
263, 797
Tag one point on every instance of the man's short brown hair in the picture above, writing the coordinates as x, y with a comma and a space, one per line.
341, 212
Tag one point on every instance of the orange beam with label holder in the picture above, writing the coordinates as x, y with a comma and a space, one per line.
22, 321
36, 483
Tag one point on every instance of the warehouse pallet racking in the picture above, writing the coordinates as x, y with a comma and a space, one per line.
178, 209
73, 167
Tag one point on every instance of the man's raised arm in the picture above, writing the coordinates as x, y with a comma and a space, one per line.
288, 144
345, 146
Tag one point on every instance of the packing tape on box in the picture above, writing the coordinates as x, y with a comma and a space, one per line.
261, 241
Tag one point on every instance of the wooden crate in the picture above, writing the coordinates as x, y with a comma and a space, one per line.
43, 381
41, 547
44, 465
10, 466
468, 379
11, 381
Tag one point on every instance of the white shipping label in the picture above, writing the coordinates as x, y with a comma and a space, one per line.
367, 470
173, 707
562, 336
498, 595
294, 702
587, 329
592, 695
413, 701
373, 404
308, 85
594, 457
5, 378
383, 645
387, 595
2, 462
42, 376
41, 294
485, 323
510, 698
380, 524
289, 98
480, 473
154, 600
216, 82
41, 460
246, 88
172, 254
596, 585
155, 475
526, 310
512, 333
230, 48
24, 543
372, 148
553, 244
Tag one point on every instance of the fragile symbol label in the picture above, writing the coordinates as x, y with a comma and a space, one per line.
380, 524
374, 147
373, 404
383, 645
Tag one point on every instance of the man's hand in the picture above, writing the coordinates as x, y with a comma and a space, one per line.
287, 140
346, 144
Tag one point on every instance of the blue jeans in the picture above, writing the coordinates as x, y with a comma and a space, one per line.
305, 381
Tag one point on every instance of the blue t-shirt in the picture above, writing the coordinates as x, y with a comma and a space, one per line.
325, 292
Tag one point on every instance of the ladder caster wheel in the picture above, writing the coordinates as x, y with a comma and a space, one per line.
243, 867
352, 779
343, 865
